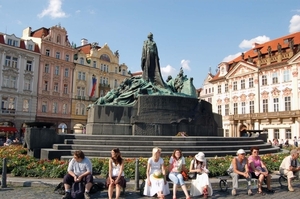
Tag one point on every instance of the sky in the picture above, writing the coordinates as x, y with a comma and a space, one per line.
196, 35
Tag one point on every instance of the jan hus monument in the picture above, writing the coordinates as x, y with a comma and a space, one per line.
149, 106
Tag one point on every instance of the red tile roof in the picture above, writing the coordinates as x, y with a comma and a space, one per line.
40, 32
264, 50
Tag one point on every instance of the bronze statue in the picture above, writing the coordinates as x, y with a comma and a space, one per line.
150, 63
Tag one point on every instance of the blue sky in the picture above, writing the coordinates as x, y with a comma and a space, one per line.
194, 34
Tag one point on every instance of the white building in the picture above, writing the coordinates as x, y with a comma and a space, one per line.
19, 61
259, 89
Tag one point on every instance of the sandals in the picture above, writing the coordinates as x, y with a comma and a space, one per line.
270, 191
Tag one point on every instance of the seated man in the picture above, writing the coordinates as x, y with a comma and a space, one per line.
8, 142
290, 167
79, 170
239, 168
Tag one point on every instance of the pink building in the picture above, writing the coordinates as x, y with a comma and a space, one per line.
55, 76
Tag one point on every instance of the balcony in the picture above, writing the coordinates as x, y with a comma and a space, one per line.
8, 111
263, 116
104, 85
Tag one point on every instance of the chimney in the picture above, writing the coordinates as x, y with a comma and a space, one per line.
254, 45
84, 41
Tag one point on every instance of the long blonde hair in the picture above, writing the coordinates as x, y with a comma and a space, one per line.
154, 151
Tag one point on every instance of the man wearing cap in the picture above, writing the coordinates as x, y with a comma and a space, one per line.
290, 167
239, 168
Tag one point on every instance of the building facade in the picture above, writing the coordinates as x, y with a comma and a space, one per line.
259, 89
55, 76
97, 71
19, 66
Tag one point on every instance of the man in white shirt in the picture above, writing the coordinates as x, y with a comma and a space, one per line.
290, 167
79, 170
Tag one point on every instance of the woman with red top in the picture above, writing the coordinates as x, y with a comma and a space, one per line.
258, 170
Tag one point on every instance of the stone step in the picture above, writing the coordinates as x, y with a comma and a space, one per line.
147, 148
155, 143
52, 153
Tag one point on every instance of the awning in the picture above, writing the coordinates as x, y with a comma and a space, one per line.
8, 129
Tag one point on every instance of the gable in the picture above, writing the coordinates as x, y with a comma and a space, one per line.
242, 69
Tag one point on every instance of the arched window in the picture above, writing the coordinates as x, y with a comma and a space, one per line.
62, 128
105, 57
58, 39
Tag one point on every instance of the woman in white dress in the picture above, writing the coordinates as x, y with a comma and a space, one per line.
201, 185
156, 180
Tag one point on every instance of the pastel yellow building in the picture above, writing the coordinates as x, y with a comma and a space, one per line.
97, 70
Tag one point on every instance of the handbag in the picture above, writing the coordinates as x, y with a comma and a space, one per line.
184, 175
192, 175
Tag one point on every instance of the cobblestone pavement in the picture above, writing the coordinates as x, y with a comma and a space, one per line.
12, 192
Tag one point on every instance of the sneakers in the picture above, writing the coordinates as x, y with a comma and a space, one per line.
233, 192
67, 196
250, 192
87, 195
291, 189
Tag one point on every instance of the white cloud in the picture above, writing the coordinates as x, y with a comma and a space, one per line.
54, 10
168, 70
77, 11
185, 64
294, 24
248, 43
231, 57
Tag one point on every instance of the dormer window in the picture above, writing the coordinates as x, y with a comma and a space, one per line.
30, 47
12, 42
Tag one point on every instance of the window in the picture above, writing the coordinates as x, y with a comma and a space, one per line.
27, 84
58, 39
251, 106
81, 75
242, 84
64, 109
28, 65
116, 69
276, 134
7, 60
274, 78
123, 72
81, 60
57, 56
9, 42
66, 72
13, 42
30, 47
287, 103
80, 109
219, 89
78, 91
265, 105
55, 88
243, 107
67, 57
8, 104
264, 81
56, 72
47, 68
235, 86
226, 109
47, 52
226, 88
6, 82
11, 61
209, 90
94, 64
9, 81
288, 134
14, 62
25, 105
44, 106
46, 85
101, 93
276, 104
219, 109
235, 108
286, 75
54, 107
65, 88
250, 82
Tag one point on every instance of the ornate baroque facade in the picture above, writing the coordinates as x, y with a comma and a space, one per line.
259, 89
100, 64
55, 76
19, 66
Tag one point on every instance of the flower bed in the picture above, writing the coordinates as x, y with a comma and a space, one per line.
20, 164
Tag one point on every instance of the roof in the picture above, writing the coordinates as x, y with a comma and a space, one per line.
264, 50
22, 44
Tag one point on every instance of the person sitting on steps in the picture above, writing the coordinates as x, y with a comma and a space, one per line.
79, 170
290, 167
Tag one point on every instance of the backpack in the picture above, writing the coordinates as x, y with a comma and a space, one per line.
60, 189
77, 191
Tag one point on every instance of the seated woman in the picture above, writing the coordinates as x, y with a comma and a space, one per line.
156, 180
258, 170
202, 184
239, 168
115, 174
177, 164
